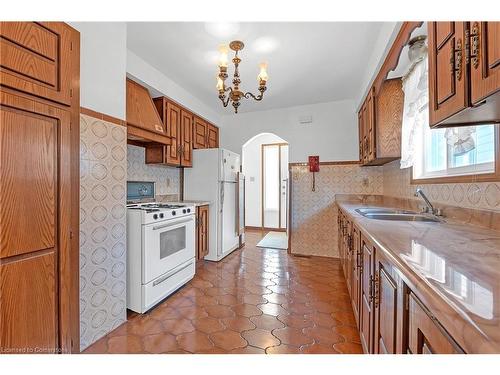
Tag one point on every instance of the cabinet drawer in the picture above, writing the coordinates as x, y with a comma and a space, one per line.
426, 335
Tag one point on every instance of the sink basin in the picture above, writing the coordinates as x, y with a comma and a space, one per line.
401, 217
381, 210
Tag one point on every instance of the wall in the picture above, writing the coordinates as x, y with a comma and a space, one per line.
251, 167
333, 134
314, 215
102, 228
159, 84
481, 195
103, 47
167, 178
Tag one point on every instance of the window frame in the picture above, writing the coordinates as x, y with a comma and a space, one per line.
466, 178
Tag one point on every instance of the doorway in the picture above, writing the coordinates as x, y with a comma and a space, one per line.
274, 187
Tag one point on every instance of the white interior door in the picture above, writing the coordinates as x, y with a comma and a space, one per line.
274, 197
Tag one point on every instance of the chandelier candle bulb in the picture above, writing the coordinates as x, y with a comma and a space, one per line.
263, 76
220, 84
223, 60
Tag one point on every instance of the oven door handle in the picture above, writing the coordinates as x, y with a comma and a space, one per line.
170, 274
156, 227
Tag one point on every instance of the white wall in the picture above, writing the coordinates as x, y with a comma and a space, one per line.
251, 167
159, 84
333, 134
103, 47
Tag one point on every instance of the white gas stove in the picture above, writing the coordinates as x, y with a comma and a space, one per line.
160, 252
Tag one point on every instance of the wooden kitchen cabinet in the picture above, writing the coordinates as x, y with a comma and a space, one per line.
366, 314
426, 336
380, 120
385, 306
36, 59
202, 224
178, 123
464, 73
355, 280
205, 135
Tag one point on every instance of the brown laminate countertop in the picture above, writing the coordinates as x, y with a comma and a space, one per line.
453, 268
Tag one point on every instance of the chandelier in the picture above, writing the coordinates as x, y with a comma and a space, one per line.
235, 94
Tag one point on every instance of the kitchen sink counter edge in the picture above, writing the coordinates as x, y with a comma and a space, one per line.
454, 268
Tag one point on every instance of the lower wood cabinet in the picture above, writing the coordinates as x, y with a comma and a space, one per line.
201, 231
426, 336
390, 317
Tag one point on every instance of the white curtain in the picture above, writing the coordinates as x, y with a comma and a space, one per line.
415, 112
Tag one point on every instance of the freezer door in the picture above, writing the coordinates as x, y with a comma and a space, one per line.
230, 238
230, 166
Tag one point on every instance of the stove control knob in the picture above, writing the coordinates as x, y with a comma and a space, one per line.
188, 210
184, 211
155, 216
161, 216
173, 213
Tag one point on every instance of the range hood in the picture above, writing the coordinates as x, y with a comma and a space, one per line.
144, 125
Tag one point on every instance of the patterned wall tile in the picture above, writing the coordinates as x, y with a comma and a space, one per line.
480, 195
167, 178
314, 214
103, 175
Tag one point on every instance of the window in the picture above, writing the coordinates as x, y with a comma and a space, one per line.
453, 152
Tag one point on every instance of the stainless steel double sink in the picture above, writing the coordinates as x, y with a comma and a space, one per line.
380, 213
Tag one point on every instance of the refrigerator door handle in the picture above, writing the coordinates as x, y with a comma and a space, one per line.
221, 195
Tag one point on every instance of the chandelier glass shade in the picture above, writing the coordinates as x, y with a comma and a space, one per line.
233, 93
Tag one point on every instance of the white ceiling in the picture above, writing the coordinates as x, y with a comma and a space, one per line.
307, 62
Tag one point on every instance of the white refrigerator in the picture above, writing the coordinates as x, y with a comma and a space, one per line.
214, 178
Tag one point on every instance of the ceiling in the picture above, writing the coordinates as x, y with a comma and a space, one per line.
307, 62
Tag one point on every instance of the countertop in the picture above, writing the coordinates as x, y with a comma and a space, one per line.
455, 269
192, 202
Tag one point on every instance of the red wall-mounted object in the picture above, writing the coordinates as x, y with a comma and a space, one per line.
313, 163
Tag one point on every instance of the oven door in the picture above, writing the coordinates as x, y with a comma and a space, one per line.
166, 245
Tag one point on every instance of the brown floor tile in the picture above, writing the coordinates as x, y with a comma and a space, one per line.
260, 338
228, 340
283, 349
275, 301
194, 342
238, 323
267, 322
207, 325
160, 343
292, 336
219, 311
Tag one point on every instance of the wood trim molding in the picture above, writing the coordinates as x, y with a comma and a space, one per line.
102, 116
344, 162
264, 229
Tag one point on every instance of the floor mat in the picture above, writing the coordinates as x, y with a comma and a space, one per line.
274, 240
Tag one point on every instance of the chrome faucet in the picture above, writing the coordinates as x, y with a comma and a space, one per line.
430, 208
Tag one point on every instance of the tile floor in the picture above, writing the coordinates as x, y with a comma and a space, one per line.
254, 301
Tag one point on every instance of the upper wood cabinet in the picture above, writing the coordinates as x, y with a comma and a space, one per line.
205, 135
380, 119
178, 123
464, 73
36, 59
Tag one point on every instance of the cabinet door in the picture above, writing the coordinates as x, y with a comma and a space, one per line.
186, 138
364, 124
173, 125
447, 71
370, 125
202, 231
35, 219
356, 273
212, 136
425, 335
484, 60
366, 308
385, 304
200, 130
36, 59
360, 133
